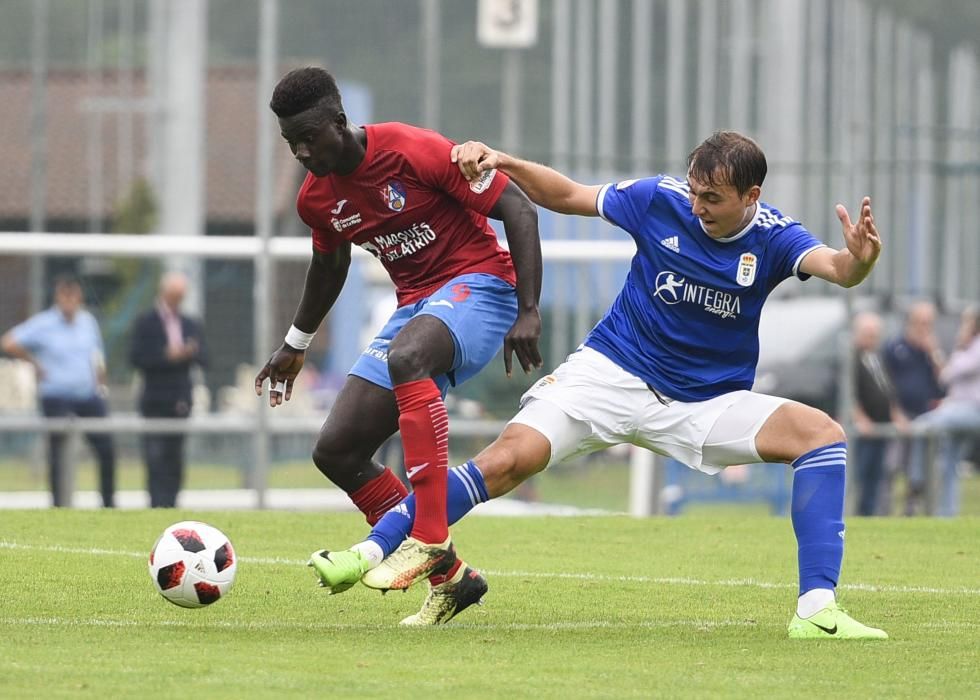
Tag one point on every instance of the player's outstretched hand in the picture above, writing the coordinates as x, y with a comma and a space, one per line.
861, 237
473, 158
522, 340
281, 371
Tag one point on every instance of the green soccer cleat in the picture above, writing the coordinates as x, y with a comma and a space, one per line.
338, 571
832, 622
411, 562
449, 599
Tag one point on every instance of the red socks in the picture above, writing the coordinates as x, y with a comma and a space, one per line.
379, 495
438, 580
424, 426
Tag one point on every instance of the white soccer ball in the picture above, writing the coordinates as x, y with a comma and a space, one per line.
193, 564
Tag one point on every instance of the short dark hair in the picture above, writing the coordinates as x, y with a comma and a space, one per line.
728, 158
304, 88
67, 280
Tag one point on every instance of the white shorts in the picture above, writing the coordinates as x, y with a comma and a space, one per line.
599, 404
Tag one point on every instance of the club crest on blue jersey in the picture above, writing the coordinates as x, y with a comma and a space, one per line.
747, 264
394, 195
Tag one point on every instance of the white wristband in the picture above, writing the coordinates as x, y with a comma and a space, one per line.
295, 338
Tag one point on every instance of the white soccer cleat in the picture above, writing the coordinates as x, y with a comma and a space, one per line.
449, 599
411, 562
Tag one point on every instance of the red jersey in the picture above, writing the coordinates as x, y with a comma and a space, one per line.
411, 208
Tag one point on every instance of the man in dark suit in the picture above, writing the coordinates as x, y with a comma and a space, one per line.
165, 346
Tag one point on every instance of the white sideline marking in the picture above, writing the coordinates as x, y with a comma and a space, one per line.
949, 624
282, 625
669, 581
739, 582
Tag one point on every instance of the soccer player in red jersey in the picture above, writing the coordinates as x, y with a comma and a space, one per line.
392, 189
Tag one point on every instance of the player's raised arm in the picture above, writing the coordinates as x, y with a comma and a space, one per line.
325, 278
545, 186
849, 265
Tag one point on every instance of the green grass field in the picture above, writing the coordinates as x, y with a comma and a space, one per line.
578, 607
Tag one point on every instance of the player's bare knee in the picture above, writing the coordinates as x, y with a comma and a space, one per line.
332, 458
422, 349
818, 429
795, 429
323, 457
836, 432
406, 363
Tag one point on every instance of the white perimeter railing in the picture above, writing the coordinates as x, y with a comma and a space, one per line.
646, 473
261, 425
646, 479
162, 246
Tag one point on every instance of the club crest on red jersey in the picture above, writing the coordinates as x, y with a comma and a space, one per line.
394, 195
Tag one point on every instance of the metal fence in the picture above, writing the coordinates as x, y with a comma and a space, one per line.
229, 413
150, 116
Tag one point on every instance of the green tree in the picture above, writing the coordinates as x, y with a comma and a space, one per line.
134, 279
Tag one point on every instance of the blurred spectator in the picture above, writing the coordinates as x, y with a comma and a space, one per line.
957, 418
874, 402
913, 361
65, 346
165, 346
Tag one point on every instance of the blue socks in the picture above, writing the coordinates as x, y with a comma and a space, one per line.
817, 512
818, 515
465, 490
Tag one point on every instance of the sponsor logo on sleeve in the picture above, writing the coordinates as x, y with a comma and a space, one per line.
346, 222
483, 183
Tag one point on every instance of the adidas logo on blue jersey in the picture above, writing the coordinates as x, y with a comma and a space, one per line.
672, 243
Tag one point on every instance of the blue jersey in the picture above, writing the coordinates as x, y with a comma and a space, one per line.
687, 319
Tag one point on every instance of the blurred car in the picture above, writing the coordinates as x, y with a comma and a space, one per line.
803, 340
800, 344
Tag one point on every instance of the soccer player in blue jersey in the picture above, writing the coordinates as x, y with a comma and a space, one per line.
671, 365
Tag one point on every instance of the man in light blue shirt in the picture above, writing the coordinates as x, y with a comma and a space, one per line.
65, 346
